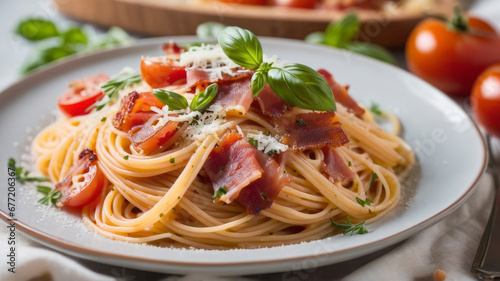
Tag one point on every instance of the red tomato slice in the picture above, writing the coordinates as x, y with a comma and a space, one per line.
148, 138
82, 94
485, 99
83, 183
159, 75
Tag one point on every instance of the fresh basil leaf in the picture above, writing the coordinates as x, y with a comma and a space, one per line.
202, 100
259, 81
35, 29
371, 50
173, 100
342, 32
55, 53
114, 36
74, 35
301, 86
209, 30
317, 37
241, 46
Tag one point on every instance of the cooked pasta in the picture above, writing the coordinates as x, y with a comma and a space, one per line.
164, 197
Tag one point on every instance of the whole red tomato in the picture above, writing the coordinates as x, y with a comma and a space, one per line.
485, 99
450, 55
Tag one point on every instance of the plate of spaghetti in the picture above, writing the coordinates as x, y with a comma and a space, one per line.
240, 156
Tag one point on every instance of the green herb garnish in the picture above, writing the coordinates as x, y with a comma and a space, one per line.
271, 152
358, 228
51, 195
172, 99
172, 160
202, 100
253, 142
373, 178
51, 43
376, 109
363, 202
263, 196
22, 175
113, 86
125, 157
297, 84
349, 164
341, 35
103, 119
221, 191
161, 215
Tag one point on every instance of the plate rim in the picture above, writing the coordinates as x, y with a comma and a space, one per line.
79, 251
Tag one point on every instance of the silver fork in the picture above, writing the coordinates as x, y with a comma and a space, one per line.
486, 264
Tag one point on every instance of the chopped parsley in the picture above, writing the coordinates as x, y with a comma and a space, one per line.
349, 164
253, 142
221, 191
125, 157
263, 196
271, 152
161, 215
349, 227
376, 109
103, 119
373, 178
172, 160
51, 195
363, 202
300, 122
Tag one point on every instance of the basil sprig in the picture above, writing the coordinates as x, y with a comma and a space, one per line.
295, 83
175, 101
342, 34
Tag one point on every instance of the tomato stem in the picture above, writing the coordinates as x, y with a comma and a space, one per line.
458, 21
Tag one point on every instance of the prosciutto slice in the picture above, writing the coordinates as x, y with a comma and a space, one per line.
196, 76
341, 95
235, 95
310, 130
336, 166
248, 175
270, 104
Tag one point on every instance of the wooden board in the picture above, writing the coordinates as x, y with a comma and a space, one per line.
161, 17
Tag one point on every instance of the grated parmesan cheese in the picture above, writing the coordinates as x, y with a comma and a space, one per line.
267, 143
210, 58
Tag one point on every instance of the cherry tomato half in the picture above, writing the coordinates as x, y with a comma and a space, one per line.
83, 183
82, 94
452, 58
149, 138
485, 99
159, 75
304, 4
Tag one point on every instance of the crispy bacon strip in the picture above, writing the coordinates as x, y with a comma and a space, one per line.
310, 130
336, 166
86, 159
341, 95
135, 109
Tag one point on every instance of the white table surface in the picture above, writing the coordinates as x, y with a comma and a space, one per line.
14, 52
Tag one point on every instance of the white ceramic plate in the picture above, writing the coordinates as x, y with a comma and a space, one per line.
451, 152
